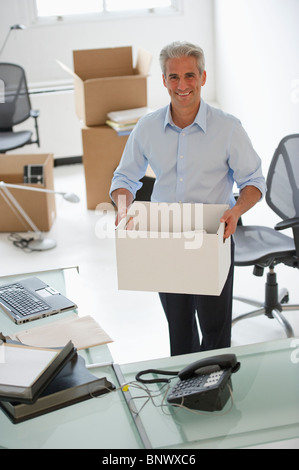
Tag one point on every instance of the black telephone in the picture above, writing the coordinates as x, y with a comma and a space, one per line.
205, 384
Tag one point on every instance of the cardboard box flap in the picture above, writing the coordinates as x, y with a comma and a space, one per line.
175, 217
144, 61
212, 214
220, 231
98, 63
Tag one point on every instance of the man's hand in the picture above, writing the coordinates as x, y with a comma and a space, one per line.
248, 197
230, 218
122, 198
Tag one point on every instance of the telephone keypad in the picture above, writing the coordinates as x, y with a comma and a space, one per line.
196, 383
213, 378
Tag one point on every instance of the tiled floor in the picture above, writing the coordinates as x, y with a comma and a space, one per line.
134, 320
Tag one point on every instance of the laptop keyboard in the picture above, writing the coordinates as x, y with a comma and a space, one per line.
22, 301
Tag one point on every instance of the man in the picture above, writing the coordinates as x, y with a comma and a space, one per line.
197, 153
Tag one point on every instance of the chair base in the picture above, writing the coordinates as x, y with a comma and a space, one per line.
274, 305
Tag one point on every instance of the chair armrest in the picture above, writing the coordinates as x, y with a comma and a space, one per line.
288, 223
294, 225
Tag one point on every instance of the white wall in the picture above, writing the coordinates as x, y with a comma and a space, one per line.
256, 43
251, 52
38, 47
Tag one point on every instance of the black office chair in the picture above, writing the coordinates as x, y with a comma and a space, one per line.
263, 247
145, 192
15, 107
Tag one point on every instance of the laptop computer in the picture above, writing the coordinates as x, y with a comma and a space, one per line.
31, 299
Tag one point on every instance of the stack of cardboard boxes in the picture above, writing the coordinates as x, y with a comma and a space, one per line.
105, 81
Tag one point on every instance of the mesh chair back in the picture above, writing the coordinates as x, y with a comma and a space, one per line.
283, 179
16, 107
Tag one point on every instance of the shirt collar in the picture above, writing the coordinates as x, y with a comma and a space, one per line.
200, 119
168, 118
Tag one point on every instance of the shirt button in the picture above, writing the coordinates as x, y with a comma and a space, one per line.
181, 179
182, 156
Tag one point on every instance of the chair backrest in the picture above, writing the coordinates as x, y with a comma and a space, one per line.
283, 179
16, 107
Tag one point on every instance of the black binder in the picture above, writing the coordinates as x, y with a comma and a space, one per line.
42, 365
72, 385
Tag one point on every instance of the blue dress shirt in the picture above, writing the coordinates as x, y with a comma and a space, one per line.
197, 164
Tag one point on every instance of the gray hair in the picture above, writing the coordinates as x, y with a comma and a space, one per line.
178, 49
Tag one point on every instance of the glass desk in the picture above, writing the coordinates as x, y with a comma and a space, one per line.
265, 401
98, 423
104, 422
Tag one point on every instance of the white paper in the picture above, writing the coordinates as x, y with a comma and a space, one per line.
22, 366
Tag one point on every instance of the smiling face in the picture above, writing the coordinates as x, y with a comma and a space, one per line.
183, 82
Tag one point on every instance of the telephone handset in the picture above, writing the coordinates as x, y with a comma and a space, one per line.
205, 384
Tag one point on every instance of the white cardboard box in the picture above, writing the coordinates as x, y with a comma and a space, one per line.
175, 248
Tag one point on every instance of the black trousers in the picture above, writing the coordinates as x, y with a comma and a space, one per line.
214, 315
